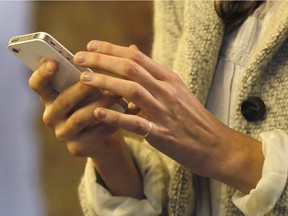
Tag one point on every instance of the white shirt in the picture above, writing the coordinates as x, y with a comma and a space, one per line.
236, 51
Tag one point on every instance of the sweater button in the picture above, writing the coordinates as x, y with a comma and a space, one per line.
253, 109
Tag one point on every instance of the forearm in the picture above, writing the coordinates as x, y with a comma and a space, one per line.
119, 172
242, 167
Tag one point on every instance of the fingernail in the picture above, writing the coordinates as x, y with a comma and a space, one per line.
87, 76
81, 58
49, 66
101, 114
93, 46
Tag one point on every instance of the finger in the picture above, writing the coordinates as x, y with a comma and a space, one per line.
70, 100
131, 123
133, 46
87, 144
120, 67
132, 53
83, 119
101, 132
40, 81
80, 121
133, 109
127, 89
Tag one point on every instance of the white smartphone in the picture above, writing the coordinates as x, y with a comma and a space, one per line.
35, 48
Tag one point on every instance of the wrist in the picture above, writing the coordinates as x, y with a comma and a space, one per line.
241, 164
118, 171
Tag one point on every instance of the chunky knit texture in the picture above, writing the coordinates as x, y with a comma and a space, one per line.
187, 40
188, 37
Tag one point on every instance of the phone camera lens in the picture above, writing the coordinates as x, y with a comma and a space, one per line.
15, 50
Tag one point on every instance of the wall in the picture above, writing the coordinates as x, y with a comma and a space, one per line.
74, 24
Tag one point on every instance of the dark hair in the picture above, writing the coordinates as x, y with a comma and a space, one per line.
235, 12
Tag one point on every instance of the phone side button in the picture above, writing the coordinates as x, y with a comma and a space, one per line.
69, 58
14, 40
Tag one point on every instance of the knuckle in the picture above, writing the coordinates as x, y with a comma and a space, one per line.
174, 100
133, 46
79, 149
76, 151
139, 126
78, 120
60, 135
47, 119
172, 94
96, 58
62, 102
173, 77
136, 91
32, 83
138, 56
130, 67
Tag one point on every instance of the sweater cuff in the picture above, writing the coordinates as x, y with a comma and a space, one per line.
97, 199
264, 197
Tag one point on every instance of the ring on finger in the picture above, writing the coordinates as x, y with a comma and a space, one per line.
149, 129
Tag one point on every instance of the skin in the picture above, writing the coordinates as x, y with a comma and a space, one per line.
182, 128
74, 124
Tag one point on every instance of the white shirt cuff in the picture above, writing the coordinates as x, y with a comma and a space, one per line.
264, 197
100, 200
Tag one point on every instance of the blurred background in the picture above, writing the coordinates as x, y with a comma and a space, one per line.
38, 177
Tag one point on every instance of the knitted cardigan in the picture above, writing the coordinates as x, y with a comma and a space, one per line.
188, 37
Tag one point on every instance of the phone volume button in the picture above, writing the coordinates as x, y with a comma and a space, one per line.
53, 43
14, 39
68, 57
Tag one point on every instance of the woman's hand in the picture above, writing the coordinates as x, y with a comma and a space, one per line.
182, 128
70, 115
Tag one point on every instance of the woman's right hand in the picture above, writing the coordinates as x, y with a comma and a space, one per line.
71, 116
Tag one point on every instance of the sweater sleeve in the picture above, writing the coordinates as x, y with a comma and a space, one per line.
96, 200
270, 195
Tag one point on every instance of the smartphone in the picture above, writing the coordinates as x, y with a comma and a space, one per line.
35, 48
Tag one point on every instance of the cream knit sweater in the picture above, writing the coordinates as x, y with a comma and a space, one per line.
188, 37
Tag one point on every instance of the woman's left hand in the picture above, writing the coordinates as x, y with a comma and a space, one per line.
182, 128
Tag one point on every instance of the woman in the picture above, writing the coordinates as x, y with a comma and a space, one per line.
215, 134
